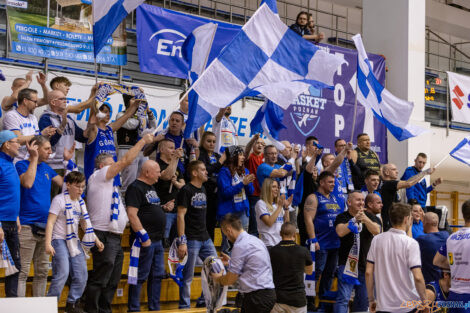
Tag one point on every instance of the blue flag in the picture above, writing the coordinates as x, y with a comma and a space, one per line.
462, 151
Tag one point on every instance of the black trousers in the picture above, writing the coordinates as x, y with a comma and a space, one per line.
104, 278
259, 301
10, 231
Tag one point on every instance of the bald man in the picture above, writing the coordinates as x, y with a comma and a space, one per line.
147, 220
67, 131
391, 185
429, 243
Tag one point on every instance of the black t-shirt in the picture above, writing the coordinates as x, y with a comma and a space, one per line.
195, 201
348, 240
389, 195
288, 261
151, 215
163, 186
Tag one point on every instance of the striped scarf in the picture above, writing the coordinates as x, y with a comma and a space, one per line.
351, 271
6, 261
89, 238
114, 226
132, 273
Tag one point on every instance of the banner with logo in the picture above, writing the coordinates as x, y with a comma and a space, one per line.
62, 30
459, 87
328, 114
161, 33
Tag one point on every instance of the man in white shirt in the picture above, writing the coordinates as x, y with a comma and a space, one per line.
104, 204
455, 254
23, 123
393, 267
224, 130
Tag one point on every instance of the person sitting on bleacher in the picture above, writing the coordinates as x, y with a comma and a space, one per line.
109, 218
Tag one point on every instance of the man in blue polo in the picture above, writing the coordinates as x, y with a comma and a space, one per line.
10, 204
270, 169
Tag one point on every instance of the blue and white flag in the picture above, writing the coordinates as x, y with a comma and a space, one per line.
196, 49
271, 4
107, 15
268, 120
267, 58
462, 151
393, 112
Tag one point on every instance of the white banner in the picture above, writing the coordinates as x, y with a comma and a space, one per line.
162, 100
459, 88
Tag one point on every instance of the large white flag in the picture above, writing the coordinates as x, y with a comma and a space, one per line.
459, 87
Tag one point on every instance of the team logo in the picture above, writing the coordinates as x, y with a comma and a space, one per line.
169, 42
306, 110
198, 201
457, 97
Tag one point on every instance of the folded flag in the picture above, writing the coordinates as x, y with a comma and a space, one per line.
265, 57
391, 111
6, 261
462, 151
107, 15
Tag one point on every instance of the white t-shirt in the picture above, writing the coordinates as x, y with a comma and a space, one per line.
458, 255
58, 208
270, 236
394, 254
225, 132
99, 198
26, 125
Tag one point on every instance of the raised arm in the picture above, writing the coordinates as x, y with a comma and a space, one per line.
81, 106
28, 177
42, 78
133, 105
91, 129
339, 158
249, 146
413, 180
128, 158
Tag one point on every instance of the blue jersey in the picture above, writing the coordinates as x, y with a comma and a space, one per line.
338, 193
327, 210
103, 143
10, 189
440, 295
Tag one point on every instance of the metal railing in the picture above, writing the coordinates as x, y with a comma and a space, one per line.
454, 198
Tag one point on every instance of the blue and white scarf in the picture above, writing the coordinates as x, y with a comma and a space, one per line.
309, 280
6, 260
132, 273
88, 240
351, 269
345, 176
116, 200
175, 265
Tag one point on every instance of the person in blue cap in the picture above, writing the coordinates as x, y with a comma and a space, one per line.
10, 204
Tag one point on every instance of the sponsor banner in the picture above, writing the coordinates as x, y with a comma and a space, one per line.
161, 33
459, 87
61, 31
326, 114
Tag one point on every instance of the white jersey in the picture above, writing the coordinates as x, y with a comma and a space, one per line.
270, 236
26, 125
225, 132
458, 254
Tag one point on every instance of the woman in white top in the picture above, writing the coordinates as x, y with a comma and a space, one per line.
272, 210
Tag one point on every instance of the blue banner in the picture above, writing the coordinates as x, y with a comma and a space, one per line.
161, 33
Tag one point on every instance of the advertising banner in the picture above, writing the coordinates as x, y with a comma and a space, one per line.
459, 88
62, 30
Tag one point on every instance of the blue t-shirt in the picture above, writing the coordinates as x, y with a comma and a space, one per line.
264, 170
103, 143
9, 189
436, 288
417, 229
35, 201
429, 244
325, 231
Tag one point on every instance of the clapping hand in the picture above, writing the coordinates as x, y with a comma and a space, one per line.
68, 153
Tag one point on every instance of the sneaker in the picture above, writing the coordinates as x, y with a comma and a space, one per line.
73, 308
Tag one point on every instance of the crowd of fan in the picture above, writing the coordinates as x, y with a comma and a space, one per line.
346, 206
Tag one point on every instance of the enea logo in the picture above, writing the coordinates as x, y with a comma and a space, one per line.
305, 111
457, 97
169, 42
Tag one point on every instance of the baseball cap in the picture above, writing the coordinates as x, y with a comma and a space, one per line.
6, 135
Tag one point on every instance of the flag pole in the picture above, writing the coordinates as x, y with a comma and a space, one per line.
355, 110
443, 159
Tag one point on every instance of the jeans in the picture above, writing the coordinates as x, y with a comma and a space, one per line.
344, 294
459, 298
33, 248
10, 231
170, 220
62, 265
103, 280
326, 262
252, 225
196, 249
245, 221
151, 266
